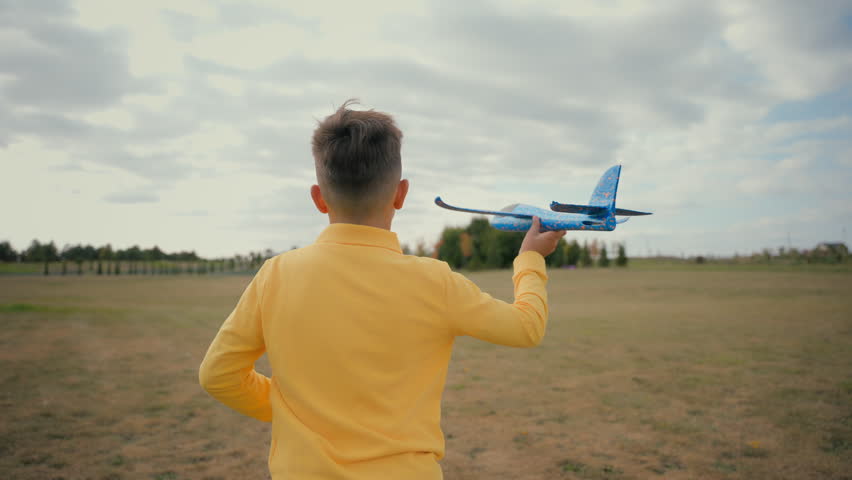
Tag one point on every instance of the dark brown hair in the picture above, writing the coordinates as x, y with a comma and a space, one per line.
357, 155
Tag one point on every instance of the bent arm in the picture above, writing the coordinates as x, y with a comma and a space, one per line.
519, 324
227, 371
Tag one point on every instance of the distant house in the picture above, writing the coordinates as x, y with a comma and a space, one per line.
832, 252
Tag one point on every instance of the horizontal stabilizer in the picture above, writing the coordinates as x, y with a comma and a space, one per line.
629, 213
584, 209
622, 220
442, 204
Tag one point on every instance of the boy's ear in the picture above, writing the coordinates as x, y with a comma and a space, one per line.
316, 196
401, 192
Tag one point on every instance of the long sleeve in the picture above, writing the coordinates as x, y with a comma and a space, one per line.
519, 324
227, 371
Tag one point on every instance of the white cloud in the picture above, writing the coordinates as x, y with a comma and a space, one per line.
801, 49
130, 197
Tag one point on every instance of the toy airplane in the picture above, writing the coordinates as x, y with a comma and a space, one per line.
598, 215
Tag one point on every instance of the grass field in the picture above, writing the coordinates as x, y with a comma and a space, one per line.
674, 373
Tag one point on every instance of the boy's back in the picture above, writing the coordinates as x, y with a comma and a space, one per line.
359, 353
359, 338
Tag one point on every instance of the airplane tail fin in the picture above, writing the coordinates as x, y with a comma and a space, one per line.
604, 193
602, 203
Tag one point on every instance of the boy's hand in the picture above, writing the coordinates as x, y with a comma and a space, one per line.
541, 242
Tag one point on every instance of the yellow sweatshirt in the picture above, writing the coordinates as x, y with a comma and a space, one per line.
359, 338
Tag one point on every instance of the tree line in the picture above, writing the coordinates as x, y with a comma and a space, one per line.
824, 252
481, 246
105, 260
477, 246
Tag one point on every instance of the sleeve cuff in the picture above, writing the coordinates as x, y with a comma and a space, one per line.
529, 260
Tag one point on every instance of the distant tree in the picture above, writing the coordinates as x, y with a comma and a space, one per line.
594, 249
501, 248
51, 254
621, 259
466, 246
147, 261
572, 253
405, 249
481, 232
156, 254
33, 253
585, 257
603, 260
795, 255
76, 254
183, 256
557, 258
42, 252
90, 254
105, 255
420, 250
133, 255
7, 253
450, 247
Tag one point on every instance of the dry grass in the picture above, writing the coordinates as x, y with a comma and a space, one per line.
674, 374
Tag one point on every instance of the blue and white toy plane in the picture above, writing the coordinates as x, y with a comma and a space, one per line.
598, 215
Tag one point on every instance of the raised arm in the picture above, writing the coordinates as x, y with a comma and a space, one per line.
227, 371
518, 324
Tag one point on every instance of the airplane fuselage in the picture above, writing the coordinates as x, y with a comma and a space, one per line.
551, 220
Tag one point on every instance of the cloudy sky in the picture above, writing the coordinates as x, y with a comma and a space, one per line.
187, 124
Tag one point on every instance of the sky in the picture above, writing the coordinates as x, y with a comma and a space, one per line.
187, 124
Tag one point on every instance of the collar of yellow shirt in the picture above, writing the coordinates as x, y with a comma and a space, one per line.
350, 234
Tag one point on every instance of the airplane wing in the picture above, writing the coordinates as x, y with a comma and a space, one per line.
443, 204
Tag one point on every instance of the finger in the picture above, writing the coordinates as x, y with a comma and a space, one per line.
535, 228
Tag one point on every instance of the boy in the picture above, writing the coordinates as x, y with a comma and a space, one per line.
359, 335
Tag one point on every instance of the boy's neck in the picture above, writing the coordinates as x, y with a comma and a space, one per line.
377, 221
